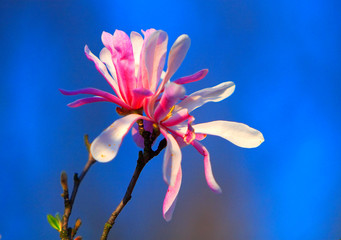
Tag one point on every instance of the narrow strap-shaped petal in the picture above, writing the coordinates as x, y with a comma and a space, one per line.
208, 169
177, 118
124, 64
139, 94
137, 42
106, 57
213, 94
108, 41
192, 78
175, 58
105, 147
172, 158
238, 133
101, 68
171, 197
97, 92
173, 92
83, 101
154, 53
142, 75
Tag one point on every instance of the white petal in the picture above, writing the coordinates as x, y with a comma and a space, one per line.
238, 133
106, 57
105, 147
171, 197
172, 158
137, 42
176, 56
102, 68
213, 94
177, 53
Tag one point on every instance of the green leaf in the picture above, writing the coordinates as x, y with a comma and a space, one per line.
58, 217
54, 222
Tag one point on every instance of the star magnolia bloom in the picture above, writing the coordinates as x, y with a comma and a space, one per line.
133, 67
175, 125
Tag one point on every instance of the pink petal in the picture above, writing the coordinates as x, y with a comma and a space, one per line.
108, 41
208, 169
190, 135
192, 78
139, 94
81, 102
173, 92
97, 92
171, 196
124, 63
137, 42
200, 136
177, 118
105, 147
172, 158
138, 139
102, 69
154, 54
142, 74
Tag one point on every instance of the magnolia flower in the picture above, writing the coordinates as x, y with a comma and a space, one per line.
133, 67
175, 123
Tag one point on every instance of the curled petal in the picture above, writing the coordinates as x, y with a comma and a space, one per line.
192, 78
172, 158
97, 92
208, 169
101, 68
105, 147
213, 94
173, 92
238, 133
83, 101
171, 196
190, 135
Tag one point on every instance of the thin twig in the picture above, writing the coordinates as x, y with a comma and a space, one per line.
144, 158
66, 232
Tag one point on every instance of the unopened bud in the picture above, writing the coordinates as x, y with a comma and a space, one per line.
63, 181
78, 224
78, 238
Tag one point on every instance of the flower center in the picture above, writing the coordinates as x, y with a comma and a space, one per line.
169, 114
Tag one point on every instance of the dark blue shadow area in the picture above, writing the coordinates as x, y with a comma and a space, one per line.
284, 57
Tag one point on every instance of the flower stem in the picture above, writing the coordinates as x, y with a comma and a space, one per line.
108, 225
143, 159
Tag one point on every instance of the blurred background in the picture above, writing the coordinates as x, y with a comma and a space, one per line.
284, 57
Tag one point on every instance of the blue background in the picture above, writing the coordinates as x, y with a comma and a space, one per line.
284, 57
